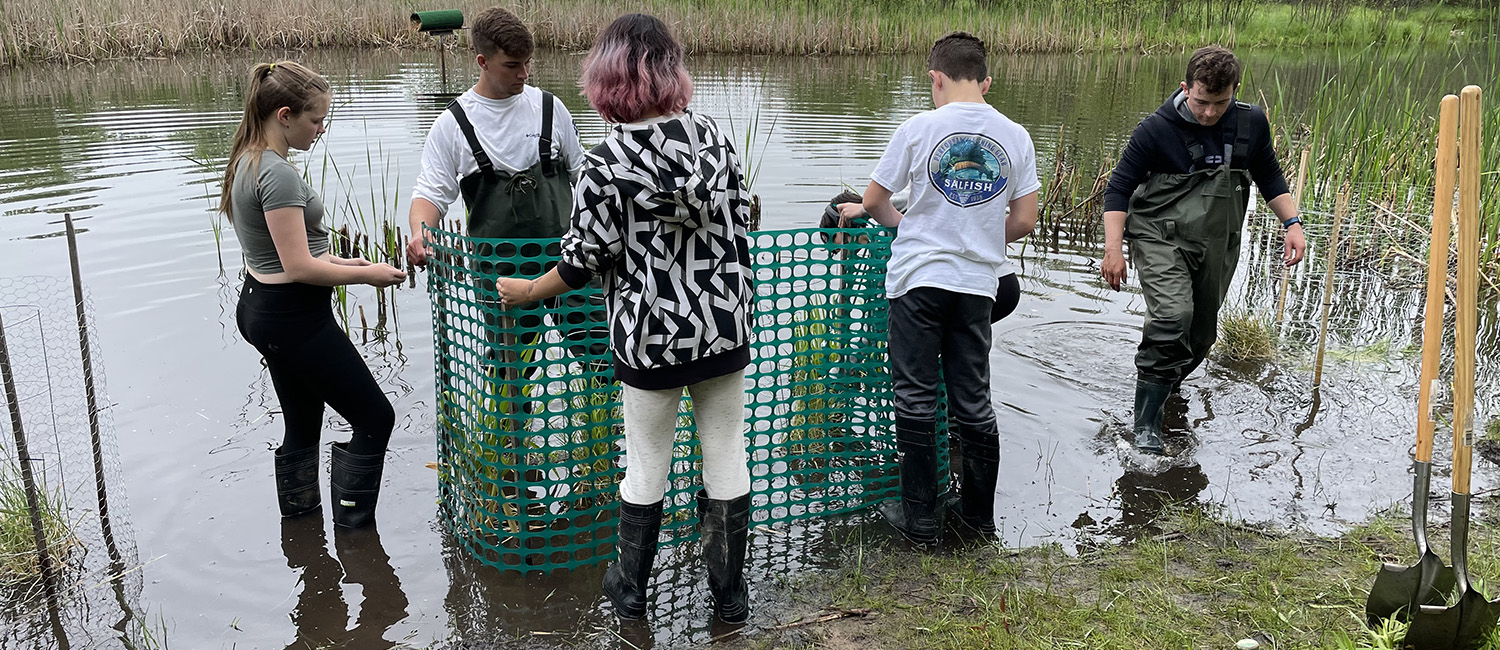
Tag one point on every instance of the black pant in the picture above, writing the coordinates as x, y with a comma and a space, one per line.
926, 325
312, 363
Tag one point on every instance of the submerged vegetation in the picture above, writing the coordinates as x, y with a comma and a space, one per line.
94, 29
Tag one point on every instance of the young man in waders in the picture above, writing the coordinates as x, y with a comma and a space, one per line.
965, 163
1179, 195
511, 150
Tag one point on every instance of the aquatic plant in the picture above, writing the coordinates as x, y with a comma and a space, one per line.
20, 569
1245, 335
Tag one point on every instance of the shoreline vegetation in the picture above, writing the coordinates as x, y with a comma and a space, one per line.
91, 30
1194, 580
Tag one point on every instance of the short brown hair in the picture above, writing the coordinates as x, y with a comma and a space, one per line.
960, 55
496, 30
1215, 68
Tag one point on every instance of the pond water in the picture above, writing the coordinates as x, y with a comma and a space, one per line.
133, 150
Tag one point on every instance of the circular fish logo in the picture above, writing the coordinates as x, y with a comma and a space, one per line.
969, 169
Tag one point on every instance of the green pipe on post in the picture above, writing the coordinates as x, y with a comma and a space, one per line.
445, 20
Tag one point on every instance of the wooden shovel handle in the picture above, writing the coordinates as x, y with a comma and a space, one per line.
1468, 287
1437, 272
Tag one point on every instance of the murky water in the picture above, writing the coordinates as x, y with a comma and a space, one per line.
132, 149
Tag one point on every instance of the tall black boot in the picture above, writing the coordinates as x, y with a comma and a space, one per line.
915, 515
297, 481
975, 505
1150, 397
725, 525
625, 581
354, 485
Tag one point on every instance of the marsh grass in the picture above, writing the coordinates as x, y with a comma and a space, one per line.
88, 30
20, 569
1245, 336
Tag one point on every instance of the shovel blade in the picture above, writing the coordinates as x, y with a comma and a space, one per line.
1434, 627
1399, 590
1477, 616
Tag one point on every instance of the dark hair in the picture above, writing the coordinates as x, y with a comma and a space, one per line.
635, 67
1214, 68
272, 86
496, 30
960, 55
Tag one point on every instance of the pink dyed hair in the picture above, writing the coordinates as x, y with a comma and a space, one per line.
635, 68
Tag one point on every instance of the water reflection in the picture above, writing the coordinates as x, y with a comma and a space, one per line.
321, 617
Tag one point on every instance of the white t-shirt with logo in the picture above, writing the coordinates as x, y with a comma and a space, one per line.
964, 163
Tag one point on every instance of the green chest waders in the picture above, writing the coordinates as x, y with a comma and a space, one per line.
1184, 234
535, 203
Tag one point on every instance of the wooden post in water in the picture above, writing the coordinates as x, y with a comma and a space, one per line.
1286, 271
1341, 207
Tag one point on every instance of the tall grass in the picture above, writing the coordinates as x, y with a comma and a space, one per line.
1370, 129
92, 29
20, 569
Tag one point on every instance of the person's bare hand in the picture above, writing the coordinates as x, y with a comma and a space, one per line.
1294, 247
383, 275
416, 250
1113, 268
848, 212
514, 292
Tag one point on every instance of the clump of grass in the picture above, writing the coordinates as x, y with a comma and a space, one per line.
1492, 430
20, 570
1245, 336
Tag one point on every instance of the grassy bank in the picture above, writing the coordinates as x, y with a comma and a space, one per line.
1200, 583
93, 29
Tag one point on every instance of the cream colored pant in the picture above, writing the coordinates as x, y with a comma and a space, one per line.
651, 427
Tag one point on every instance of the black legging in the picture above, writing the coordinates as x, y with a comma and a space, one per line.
312, 363
1006, 298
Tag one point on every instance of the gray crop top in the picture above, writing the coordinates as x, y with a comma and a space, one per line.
277, 185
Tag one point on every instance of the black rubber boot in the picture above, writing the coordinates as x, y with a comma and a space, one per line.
725, 525
975, 503
1150, 397
354, 485
915, 514
297, 481
625, 581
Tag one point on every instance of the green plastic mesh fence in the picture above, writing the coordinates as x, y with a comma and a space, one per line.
529, 423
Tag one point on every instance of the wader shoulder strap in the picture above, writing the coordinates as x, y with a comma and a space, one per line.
1242, 130
544, 143
1196, 155
467, 127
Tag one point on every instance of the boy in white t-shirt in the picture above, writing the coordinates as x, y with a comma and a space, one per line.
489, 136
965, 164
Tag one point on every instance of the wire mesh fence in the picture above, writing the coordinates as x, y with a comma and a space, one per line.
93, 590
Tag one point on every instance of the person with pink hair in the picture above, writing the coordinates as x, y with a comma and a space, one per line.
660, 214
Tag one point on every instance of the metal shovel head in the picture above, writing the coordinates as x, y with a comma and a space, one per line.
1399, 590
1456, 627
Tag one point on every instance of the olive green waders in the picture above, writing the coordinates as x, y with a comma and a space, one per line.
535, 203
1184, 237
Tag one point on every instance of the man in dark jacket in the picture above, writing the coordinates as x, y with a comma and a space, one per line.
1179, 195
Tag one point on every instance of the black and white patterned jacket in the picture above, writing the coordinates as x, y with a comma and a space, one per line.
660, 213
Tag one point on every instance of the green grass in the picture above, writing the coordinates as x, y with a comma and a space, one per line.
1245, 336
1202, 583
20, 571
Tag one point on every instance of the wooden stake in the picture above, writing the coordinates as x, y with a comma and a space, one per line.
1286, 271
1341, 207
